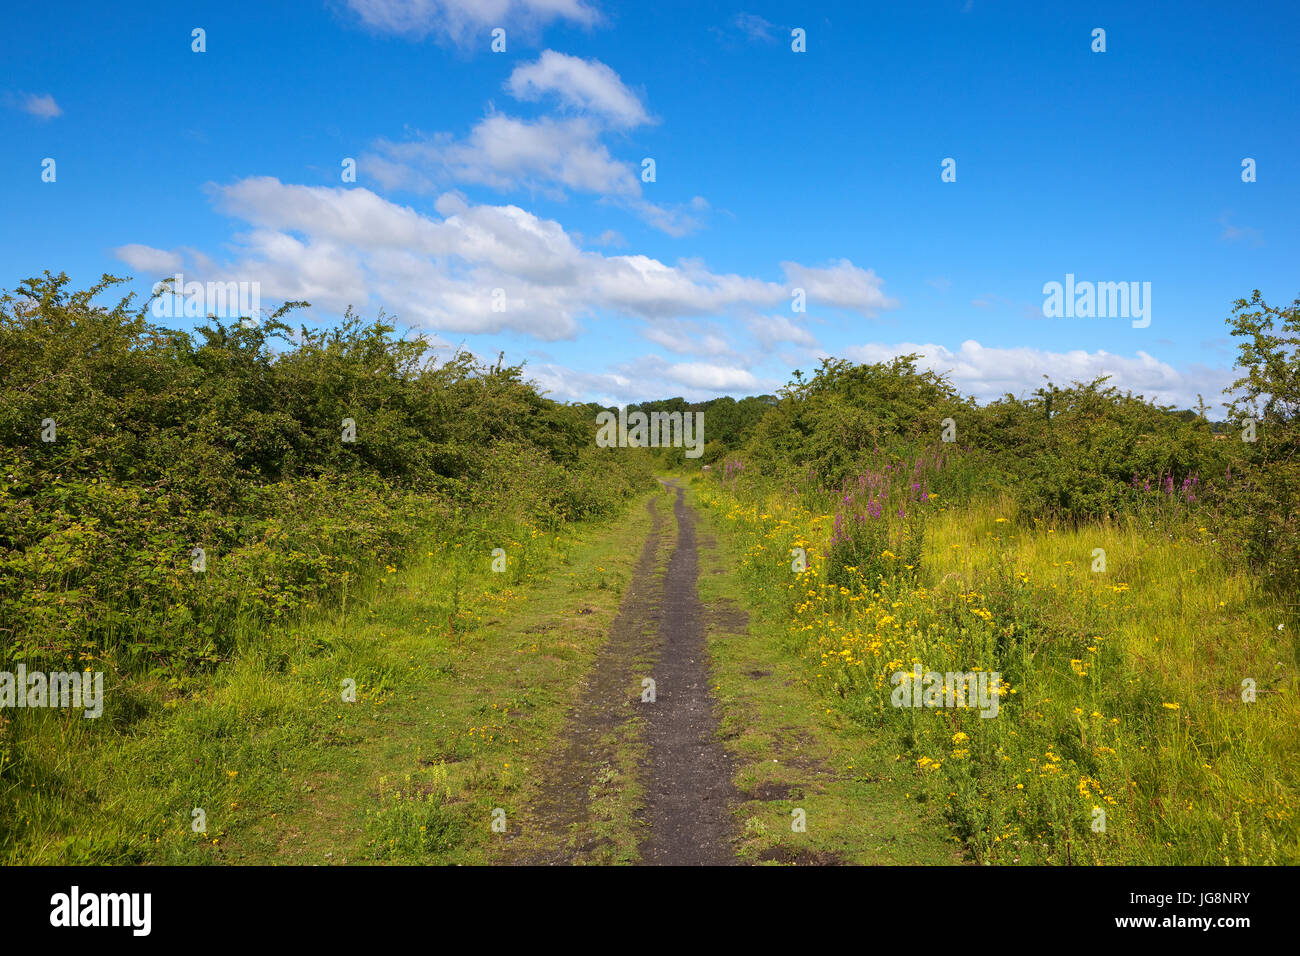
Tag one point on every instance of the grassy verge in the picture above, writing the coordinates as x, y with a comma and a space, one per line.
586, 804
462, 679
1125, 733
792, 752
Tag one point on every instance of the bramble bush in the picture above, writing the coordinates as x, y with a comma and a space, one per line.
1268, 503
1069, 454
230, 439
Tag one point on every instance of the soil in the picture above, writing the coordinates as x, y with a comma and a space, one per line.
686, 774
689, 788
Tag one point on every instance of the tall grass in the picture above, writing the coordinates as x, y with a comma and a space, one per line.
122, 789
1122, 735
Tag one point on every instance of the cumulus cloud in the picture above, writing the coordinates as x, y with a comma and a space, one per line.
506, 153
157, 262
771, 330
552, 156
841, 285
566, 384
686, 338
460, 21
704, 375
990, 373
471, 268
588, 86
649, 376
547, 156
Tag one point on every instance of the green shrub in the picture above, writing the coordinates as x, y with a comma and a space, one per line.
1267, 498
231, 440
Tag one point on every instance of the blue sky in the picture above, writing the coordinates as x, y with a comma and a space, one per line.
521, 171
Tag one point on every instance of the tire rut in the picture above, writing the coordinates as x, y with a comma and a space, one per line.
689, 787
562, 809
686, 774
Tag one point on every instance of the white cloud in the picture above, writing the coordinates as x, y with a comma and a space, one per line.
585, 85
506, 153
157, 262
686, 338
842, 285
711, 377
986, 373
338, 246
640, 285
42, 106
990, 373
551, 156
645, 378
571, 385
462, 21
1233, 233
755, 27
771, 330
674, 220
546, 156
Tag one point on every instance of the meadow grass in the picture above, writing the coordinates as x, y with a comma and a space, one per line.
1123, 733
462, 679
793, 753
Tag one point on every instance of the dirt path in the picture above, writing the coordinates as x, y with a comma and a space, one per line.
690, 775
563, 821
638, 778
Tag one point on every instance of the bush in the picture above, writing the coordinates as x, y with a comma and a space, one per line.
164, 442
1268, 498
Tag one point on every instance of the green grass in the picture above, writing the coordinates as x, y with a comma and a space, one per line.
1124, 687
462, 681
792, 752
1124, 694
